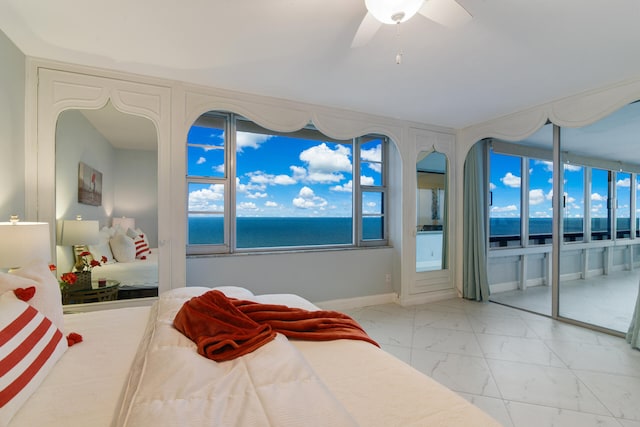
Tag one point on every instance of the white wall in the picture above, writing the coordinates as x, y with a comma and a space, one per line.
12, 110
136, 190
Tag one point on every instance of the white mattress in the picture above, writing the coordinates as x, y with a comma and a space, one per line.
138, 273
88, 383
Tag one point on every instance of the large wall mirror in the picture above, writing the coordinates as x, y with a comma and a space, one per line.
113, 157
431, 198
82, 119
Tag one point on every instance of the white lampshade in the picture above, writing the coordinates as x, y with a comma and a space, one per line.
79, 232
385, 10
23, 242
124, 223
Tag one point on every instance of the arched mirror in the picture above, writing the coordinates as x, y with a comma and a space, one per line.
431, 170
106, 169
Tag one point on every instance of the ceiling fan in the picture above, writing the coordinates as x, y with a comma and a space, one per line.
445, 12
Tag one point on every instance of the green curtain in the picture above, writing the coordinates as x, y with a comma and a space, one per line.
633, 335
475, 284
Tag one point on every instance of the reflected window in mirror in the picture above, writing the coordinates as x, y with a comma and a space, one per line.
431, 208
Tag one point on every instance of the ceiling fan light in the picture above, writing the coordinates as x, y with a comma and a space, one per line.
385, 10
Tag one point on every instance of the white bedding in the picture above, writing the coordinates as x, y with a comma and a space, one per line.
139, 273
85, 386
351, 380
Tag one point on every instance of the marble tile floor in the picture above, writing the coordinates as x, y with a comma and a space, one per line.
524, 369
605, 301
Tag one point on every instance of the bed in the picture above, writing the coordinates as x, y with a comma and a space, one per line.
133, 368
125, 256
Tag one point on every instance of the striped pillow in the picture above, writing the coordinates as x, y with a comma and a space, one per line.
142, 247
30, 346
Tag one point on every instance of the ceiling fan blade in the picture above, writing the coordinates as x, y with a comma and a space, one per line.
367, 29
445, 12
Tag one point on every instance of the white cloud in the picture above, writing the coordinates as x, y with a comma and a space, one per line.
270, 204
372, 155
344, 188
597, 197
283, 180
263, 179
247, 206
324, 164
257, 195
536, 196
510, 180
366, 180
201, 160
371, 204
324, 177
503, 209
572, 168
207, 199
308, 200
251, 140
299, 173
492, 186
219, 168
626, 182
245, 188
542, 214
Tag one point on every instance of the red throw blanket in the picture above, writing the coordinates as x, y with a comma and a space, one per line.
225, 328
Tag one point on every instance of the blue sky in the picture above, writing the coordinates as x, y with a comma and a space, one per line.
280, 176
505, 182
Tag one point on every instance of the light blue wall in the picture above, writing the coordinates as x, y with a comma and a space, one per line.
12, 110
136, 190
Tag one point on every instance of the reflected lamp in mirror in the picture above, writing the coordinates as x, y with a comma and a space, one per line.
23, 242
79, 232
124, 223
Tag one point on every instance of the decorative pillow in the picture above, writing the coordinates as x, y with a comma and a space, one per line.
142, 246
48, 299
144, 236
30, 346
123, 248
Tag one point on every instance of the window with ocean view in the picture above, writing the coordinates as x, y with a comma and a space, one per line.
573, 202
504, 212
540, 196
250, 188
600, 204
623, 205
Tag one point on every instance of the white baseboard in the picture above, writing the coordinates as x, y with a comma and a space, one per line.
428, 297
356, 302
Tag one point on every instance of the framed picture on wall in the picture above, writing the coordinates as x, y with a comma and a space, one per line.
89, 185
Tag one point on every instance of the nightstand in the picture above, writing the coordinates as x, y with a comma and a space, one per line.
109, 292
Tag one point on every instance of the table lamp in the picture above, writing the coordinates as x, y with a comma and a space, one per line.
79, 232
22, 242
124, 223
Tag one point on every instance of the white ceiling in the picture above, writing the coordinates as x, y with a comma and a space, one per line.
513, 54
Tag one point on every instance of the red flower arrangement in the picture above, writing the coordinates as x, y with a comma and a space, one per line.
84, 264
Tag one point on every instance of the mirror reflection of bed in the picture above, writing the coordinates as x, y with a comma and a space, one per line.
122, 148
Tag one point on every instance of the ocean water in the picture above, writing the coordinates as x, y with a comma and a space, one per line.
278, 232
511, 226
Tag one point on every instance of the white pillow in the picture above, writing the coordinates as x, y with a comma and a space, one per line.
100, 250
44, 344
48, 299
123, 248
